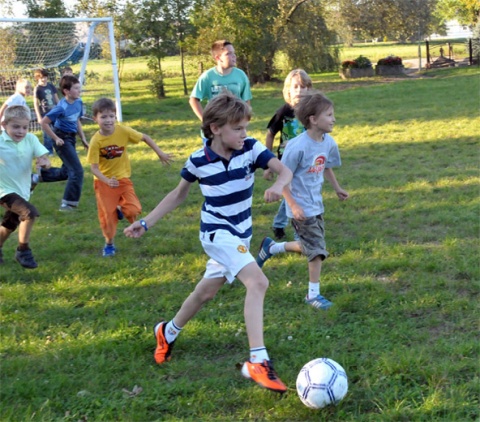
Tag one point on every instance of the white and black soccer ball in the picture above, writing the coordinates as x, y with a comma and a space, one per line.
321, 382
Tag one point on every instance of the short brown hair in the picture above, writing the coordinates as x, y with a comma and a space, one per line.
17, 112
304, 78
67, 82
311, 103
103, 104
40, 73
225, 108
218, 46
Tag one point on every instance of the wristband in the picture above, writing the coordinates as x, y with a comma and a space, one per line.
144, 224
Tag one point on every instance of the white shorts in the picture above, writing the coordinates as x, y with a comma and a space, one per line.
228, 254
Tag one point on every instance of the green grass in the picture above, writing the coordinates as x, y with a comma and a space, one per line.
76, 333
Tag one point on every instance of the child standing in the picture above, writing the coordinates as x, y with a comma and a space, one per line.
111, 169
17, 150
45, 98
224, 169
225, 76
65, 117
23, 88
311, 157
284, 121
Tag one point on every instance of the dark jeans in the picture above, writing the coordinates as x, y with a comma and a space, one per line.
71, 169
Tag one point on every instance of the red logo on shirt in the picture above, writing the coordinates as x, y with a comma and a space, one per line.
318, 164
112, 151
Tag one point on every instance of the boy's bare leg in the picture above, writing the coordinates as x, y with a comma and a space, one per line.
294, 246
4, 235
205, 290
256, 284
315, 269
24, 229
261, 372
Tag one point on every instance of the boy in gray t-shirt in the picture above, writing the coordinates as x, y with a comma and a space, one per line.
311, 157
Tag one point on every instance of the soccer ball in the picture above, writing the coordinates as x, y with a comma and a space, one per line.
321, 382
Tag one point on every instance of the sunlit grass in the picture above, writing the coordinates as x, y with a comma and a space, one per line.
403, 274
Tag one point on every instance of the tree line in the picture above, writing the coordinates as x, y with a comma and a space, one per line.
308, 33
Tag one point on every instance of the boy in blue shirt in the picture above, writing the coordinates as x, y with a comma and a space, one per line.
65, 117
224, 170
17, 150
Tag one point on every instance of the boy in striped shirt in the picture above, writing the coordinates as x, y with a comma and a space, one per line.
224, 169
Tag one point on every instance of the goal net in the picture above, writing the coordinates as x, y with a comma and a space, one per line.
85, 45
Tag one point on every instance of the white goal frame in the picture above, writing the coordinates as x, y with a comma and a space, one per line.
94, 22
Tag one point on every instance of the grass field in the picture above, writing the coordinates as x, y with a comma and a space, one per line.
76, 333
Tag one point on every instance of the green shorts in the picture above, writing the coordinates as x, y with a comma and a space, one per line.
311, 234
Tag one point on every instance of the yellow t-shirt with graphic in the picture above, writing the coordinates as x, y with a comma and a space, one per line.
110, 152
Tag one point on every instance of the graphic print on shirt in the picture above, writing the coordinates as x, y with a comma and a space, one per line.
318, 164
233, 87
247, 167
111, 151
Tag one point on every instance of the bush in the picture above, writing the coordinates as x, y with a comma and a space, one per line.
360, 62
390, 61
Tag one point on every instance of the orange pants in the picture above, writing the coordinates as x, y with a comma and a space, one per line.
107, 201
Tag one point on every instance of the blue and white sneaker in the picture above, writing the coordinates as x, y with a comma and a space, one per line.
319, 302
264, 252
109, 250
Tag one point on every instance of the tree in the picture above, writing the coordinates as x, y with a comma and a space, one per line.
395, 19
259, 29
467, 12
149, 24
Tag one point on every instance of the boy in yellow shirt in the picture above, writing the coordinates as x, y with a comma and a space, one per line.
111, 169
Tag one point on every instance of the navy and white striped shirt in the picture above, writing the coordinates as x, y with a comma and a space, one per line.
227, 186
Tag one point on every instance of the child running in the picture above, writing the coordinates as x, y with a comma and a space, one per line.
311, 157
18, 149
111, 170
65, 117
224, 169
284, 121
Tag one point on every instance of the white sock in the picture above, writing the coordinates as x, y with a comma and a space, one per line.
171, 332
258, 354
313, 289
277, 248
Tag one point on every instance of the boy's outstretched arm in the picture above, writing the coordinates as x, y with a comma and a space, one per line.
274, 192
81, 134
167, 204
267, 174
330, 176
164, 158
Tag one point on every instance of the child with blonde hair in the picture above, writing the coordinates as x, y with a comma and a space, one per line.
18, 149
284, 122
23, 88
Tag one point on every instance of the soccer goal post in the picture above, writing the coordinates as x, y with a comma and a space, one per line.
87, 45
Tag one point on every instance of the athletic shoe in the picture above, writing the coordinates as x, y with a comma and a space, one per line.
279, 233
264, 375
109, 250
25, 258
163, 349
264, 252
67, 208
120, 215
319, 302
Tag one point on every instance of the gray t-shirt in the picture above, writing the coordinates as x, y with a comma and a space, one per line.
307, 159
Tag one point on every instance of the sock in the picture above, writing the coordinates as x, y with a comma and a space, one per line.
277, 248
23, 247
313, 289
258, 354
171, 332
